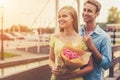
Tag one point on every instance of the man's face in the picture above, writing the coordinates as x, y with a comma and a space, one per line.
89, 13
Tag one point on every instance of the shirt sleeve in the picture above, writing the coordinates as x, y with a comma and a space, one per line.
106, 52
52, 41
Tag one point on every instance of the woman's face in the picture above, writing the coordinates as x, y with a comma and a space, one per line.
65, 19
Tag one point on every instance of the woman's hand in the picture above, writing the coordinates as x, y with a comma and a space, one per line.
56, 71
59, 74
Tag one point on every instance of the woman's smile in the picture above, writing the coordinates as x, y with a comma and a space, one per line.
61, 22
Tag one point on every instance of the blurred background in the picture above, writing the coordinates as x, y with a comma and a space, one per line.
28, 23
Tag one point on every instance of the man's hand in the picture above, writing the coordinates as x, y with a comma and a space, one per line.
96, 54
89, 42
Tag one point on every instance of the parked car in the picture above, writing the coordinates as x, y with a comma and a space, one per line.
18, 36
7, 36
32, 37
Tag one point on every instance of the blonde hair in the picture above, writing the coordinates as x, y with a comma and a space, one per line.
95, 3
73, 13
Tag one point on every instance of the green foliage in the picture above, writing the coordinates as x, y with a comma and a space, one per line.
21, 28
114, 16
9, 55
118, 42
102, 25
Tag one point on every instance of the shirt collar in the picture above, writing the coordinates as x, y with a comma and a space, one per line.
96, 31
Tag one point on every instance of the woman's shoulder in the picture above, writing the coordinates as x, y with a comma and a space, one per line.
79, 37
56, 35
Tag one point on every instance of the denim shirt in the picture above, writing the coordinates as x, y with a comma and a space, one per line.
102, 42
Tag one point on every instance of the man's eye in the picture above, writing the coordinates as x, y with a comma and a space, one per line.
84, 10
89, 11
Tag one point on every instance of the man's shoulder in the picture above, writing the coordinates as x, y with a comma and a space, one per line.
80, 29
102, 31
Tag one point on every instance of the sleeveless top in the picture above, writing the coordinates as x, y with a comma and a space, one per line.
58, 45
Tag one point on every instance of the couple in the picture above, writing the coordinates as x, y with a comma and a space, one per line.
92, 41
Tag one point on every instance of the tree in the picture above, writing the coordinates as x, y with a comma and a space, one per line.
114, 15
102, 25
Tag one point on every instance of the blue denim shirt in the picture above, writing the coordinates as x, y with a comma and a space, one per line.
102, 42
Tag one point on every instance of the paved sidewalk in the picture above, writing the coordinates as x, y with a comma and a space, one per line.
23, 55
27, 65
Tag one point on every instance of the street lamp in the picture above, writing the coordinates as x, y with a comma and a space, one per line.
2, 46
78, 8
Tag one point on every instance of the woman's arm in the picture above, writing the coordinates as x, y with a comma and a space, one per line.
51, 58
54, 69
83, 71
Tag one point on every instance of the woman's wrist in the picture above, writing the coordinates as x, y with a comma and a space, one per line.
71, 75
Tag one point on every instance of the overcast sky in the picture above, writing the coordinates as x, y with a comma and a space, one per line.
26, 11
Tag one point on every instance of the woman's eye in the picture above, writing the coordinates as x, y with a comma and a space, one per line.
58, 16
64, 16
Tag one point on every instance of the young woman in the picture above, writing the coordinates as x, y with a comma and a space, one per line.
68, 24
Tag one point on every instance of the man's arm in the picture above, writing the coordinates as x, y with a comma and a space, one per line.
103, 57
96, 54
83, 71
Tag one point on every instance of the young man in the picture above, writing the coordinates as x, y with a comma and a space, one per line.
96, 39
